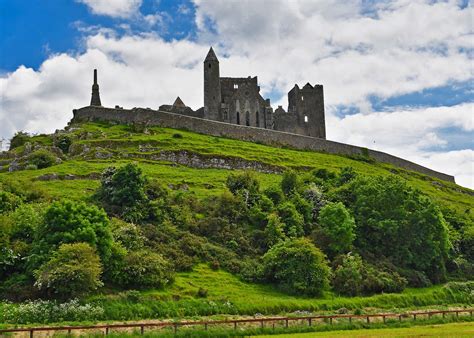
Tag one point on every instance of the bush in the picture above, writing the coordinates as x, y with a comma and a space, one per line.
274, 231
338, 226
122, 192
292, 219
47, 311
297, 266
63, 142
289, 182
73, 270
275, 194
144, 269
127, 234
19, 139
71, 222
41, 159
9, 201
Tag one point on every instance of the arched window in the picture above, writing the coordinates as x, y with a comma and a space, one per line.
225, 116
209, 65
238, 118
305, 119
257, 118
247, 118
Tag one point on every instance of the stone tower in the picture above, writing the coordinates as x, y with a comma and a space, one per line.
212, 87
95, 99
308, 105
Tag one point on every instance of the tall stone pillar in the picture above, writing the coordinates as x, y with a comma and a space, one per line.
95, 99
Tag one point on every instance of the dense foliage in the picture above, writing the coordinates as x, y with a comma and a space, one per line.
305, 234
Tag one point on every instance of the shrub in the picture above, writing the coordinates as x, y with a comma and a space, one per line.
292, 219
297, 266
348, 276
71, 222
289, 182
177, 135
47, 311
346, 175
8, 201
41, 159
144, 269
127, 234
275, 194
63, 142
122, 192
73, 270
274, 231
338, 226
202, 293
19, 139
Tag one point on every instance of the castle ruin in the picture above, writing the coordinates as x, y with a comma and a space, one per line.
234, 108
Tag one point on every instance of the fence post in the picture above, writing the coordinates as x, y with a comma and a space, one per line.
106, 331
384, 319
400, 318
235, 325
205, 326
457, 314
368, 320
142, 329
350, 320
31, 333
330, 320
444, 314
286, 324
176, 327
414, 316
310, 321
261, 324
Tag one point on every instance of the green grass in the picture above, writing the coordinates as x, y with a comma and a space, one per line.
228, 295
439, 330
123, 142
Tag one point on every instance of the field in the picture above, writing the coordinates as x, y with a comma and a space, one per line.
443, 330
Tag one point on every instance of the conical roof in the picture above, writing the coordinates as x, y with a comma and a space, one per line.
308, 86
178, 103
211, 56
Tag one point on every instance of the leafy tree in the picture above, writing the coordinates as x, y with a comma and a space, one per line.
74, 270
292, 219
245, 185
398, 222
42, 159
70, 222
8, 201
274, 231
297, 266
122, 192
346, 175
127, 234
338, 226
289, 182
349, 275
19, 139
275, 194
144, 269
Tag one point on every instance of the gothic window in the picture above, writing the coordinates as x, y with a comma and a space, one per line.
209, 65
305, 119
258, 118
247, 118
302, 98
224, 115
238, 118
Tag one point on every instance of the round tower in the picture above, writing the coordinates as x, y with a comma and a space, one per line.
212, 87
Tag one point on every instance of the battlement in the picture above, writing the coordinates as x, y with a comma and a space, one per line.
269, 137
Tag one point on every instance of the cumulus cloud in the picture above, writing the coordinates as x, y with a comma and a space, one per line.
357, 49
113, 8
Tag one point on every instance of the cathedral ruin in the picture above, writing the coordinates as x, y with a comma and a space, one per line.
237, 100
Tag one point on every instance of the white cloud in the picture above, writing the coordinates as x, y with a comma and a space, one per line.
356, 50
113, 8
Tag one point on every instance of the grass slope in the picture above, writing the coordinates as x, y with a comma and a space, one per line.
124, 144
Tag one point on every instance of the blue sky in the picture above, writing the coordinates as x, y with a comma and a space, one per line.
397, 74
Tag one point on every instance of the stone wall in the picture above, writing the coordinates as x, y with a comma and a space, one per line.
264, 136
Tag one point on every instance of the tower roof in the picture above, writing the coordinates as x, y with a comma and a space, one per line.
178, 102
308, 86
211, 56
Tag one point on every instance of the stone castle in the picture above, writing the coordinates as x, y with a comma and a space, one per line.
234, 108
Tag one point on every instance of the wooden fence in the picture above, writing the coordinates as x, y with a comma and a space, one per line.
106, 328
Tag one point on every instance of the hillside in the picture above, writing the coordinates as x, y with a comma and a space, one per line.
213, 216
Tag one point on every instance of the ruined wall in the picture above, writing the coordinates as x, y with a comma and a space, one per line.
264, 136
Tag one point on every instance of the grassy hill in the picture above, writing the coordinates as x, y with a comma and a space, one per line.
195, 167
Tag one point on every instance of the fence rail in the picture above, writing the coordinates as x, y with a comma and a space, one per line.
235, 322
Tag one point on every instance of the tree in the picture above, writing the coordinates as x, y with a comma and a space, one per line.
71, 222
289, 182
292, 219
400, 223
74, 270
144, 269
274, 231
245, 185
9, 201
348, 276
297, 266
122, 192
338, 226
19, 139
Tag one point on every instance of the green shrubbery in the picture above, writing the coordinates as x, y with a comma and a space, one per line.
41, 159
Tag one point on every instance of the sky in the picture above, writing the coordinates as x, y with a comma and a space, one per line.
397, 75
